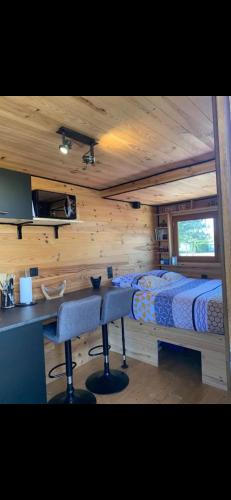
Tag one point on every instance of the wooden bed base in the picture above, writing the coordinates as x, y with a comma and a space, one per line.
142, 344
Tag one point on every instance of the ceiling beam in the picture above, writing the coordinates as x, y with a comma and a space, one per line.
162, 178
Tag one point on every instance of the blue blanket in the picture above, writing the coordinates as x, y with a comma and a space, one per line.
194, 304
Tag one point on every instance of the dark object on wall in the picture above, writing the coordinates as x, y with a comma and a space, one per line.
33, 271
204, 276
136, 204
109, 272
54, 205
96, 282
15, 195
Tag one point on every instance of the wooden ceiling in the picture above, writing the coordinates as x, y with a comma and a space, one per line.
198, 186
138, 136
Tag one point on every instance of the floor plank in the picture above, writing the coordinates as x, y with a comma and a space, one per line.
176, 381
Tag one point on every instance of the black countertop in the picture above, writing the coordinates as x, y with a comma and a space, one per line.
43, 310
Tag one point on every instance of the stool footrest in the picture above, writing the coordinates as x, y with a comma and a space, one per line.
92, 354
62, 374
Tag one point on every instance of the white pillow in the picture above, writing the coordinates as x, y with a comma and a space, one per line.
172, 276
150, 282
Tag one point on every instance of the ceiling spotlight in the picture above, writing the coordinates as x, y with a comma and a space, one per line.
65, 147
89, 157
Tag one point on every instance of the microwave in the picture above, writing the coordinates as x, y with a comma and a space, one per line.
49, 205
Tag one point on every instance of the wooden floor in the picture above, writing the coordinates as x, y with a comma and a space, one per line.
176, 381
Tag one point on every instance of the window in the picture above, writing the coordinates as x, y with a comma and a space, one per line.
194, 237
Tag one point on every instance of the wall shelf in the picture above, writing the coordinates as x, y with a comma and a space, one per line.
164, 238
38, 221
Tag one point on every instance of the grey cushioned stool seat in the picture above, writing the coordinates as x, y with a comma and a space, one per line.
116, 304
74, 319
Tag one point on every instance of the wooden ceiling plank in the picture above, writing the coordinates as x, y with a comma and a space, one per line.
204, 103
167, 126
46, 140
152, 125
185, 112
40, 110
134, 140
162, 178
177, 191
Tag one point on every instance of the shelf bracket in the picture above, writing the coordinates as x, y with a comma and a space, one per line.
56, 230
30, 224
19, 231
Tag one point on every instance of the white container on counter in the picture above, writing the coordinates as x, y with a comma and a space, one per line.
25, 290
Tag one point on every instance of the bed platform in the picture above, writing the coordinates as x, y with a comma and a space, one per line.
142, 344
182, 311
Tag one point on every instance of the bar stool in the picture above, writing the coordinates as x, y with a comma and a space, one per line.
74, 319
116, 304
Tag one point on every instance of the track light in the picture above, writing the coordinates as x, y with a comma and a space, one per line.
65, 147
89, 157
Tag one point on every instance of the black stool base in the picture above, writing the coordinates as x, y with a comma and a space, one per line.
100, 383
79, 397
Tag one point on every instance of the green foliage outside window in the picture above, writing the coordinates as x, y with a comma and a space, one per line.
196, 238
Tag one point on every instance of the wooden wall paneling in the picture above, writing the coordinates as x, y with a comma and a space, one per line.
222, 133
194, 270
112, 234
195, 205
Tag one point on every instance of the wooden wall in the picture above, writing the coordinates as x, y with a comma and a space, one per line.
112, 234
194, 270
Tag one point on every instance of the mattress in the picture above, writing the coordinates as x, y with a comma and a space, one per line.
193, 304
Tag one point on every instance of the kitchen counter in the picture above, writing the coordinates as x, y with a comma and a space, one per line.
43, 310
22, 360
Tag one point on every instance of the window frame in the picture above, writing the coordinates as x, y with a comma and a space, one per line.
196, 216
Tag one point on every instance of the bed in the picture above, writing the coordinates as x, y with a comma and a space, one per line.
170, 307
173, 300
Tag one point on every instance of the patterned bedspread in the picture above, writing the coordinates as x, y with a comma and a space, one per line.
194, 304
132, 280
